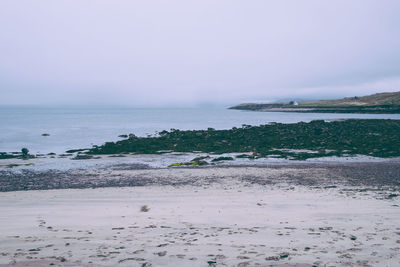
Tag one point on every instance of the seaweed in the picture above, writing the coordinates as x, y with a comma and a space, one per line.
4, 155
371, 137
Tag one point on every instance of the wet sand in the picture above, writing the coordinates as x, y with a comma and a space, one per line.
383, 175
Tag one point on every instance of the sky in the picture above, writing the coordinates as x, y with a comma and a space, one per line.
188, 53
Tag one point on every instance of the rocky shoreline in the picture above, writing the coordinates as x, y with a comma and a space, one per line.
297, 141
367, 174
316, 109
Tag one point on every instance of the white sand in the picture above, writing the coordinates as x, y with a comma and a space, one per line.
232, 224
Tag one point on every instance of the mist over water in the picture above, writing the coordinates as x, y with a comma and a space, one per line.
83, 127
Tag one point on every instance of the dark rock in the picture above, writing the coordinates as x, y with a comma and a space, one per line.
144, 208
82, 157
283, 255
222, 158
162, 253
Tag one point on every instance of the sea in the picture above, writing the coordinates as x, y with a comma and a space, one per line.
83, 127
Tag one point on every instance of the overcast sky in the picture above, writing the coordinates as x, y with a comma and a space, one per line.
191, 52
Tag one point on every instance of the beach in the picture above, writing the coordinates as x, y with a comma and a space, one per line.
323, 193
282, 214
199, 134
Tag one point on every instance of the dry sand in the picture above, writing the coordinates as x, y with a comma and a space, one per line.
229, 223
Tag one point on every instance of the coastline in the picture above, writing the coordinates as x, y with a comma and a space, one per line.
140, 170
313, 109
333, 207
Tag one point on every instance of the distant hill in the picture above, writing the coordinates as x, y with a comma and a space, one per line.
376, 103
369, 100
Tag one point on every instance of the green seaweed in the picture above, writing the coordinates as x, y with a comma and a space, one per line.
194, 162
375, 137
12, 165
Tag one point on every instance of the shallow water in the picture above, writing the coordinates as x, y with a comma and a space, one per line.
83, 127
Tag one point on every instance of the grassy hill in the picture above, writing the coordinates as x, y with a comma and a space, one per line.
376, 103
370, 100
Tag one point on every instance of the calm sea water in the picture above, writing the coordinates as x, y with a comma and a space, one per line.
83, 127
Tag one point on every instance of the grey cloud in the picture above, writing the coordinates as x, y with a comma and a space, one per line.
187, 52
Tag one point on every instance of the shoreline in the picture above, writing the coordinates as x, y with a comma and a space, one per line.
312, 109
99, 174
